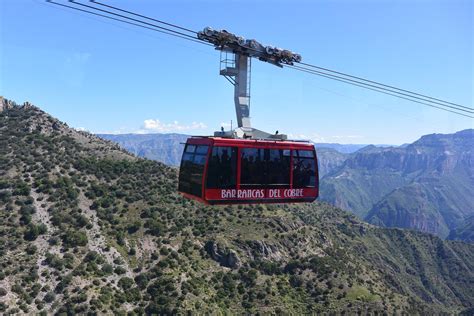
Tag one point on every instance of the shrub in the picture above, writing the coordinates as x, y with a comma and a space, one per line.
125, 283
107, 268
33, 231
74, 238
49, 297
120, 270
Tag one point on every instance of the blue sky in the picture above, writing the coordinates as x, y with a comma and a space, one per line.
107, 77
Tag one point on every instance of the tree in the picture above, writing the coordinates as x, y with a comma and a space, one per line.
74, 238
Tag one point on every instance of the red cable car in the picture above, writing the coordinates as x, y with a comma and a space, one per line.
217, 170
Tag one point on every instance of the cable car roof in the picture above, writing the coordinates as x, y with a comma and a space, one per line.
241, 141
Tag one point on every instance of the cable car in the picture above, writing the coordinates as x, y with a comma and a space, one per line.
218, 170
247, 165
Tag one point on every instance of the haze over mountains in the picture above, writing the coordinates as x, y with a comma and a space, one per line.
427, 185
87, 228
165, 148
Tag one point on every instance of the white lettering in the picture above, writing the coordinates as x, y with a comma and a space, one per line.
292, 193
245, 194
228, 194
274, 193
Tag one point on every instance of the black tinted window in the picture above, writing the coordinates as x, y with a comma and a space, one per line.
190, 148
222, 168
278, 167
306, 153
192, 168
202, 150
253, 167
304, 169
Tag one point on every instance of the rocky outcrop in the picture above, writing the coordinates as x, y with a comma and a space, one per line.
6, 104
225, 256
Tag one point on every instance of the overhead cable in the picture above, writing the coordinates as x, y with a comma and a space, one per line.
132, 19
384, 85
127, 22
144, 16
389, 90
332, 77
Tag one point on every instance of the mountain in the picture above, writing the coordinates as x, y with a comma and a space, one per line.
329, 160
86, 228
342, 148
465, 231
427, 185
166, 148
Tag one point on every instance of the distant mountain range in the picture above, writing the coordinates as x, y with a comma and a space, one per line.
427, 185
166, 148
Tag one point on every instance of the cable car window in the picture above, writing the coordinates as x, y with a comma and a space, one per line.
190, 148
188, 157
306, 153
278, 167
222, 168
200, 159
253, 167
192, 168
202, 150
286, 152
304, 169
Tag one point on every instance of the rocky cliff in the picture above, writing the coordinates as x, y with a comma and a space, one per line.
427, 185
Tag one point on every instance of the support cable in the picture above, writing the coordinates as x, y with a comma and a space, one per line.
385, 89
127, 22
385, 85
133, 19
144, 16
310, 71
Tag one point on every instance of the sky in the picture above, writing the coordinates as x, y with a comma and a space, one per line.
106, 77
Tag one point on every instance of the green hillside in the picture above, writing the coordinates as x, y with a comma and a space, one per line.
88, 228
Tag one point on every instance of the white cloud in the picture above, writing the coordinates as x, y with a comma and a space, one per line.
313, 137
316, 138
347, 136
155, 125
81, 129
